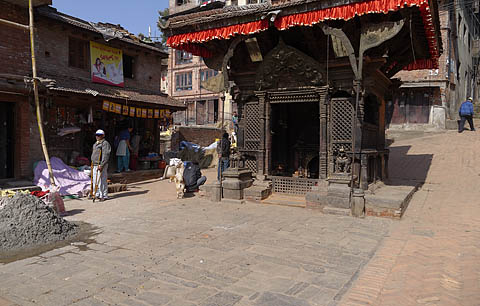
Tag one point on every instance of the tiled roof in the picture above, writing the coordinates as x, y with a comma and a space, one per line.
52, 13
79, 86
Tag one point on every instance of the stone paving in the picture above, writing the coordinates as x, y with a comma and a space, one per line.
154, 250
432, 256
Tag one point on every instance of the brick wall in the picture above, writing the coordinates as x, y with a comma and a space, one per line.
203, 136
14, 45
53, 47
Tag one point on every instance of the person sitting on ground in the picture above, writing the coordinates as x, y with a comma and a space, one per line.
466, 113
192, 177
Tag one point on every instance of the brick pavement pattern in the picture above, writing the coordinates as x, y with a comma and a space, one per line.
432, 256
152, 249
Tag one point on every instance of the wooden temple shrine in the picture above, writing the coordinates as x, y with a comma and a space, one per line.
310, 79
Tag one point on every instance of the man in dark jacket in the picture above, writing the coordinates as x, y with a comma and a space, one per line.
223, 155
192, 177
466, 113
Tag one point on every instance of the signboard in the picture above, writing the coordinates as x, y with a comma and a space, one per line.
106, 64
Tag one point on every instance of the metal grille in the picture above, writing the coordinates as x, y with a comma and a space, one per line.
341, 122
291, 185
252, 130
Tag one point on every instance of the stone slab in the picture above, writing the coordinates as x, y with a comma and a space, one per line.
389, 201
336, 211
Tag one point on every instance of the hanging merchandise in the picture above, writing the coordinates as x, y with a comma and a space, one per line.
125, 110
132, 111
156, 114
106, 105
150, 113
90, 115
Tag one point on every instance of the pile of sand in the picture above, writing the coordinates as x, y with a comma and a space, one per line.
26, 221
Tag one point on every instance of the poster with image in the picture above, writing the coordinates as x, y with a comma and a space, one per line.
125, 110
106, 64
132, 111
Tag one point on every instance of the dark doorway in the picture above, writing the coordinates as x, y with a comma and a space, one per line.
295, 139
6, 139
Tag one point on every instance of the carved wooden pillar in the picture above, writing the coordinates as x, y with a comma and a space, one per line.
268, 138
261, 148
364, 172
323, 162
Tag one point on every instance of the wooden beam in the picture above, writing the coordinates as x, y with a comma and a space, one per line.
14, 24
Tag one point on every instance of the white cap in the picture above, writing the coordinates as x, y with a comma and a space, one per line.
470, 98
99, 132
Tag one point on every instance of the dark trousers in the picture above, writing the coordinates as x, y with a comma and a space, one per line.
223, 164
199, 183
462, 123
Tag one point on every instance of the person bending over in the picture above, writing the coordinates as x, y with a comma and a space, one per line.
192, 177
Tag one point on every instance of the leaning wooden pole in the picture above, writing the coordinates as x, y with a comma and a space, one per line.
35, 93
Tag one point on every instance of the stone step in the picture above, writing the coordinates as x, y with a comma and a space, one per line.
389, 201
336, 211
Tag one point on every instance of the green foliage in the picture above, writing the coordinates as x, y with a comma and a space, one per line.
161, 22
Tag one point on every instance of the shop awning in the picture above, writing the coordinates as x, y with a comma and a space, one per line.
191, 41
135, 95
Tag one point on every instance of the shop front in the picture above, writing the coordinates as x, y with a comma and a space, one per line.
71, 121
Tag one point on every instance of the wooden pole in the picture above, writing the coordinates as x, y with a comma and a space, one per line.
35, 93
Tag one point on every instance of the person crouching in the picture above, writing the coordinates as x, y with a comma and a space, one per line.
192, 177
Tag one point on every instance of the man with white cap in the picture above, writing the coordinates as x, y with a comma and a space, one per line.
466, 113
100, 156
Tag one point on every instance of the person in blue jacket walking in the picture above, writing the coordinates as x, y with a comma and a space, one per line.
466, 113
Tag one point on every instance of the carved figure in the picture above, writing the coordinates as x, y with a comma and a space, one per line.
342, 161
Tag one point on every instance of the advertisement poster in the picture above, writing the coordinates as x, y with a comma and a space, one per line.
106, 106
112, 107
107, 65
132, 111
144, 113
139, 112
156, 114
150, 113
125, 110
118, 108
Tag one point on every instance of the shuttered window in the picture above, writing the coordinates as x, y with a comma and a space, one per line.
77, 53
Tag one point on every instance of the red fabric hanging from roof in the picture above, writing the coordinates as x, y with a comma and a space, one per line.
190, 41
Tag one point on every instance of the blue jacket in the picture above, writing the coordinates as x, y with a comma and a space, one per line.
466, 109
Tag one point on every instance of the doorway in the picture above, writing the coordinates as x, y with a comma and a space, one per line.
295, 139
6, 139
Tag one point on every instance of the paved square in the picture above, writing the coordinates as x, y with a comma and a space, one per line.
154, 250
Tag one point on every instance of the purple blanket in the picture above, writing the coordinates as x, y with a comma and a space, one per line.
69, 181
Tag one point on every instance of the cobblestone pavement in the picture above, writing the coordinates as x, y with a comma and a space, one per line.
432, 256
154, 250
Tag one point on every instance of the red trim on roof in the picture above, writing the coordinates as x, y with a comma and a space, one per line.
190, 41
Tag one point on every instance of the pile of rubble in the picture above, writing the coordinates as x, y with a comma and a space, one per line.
26, 221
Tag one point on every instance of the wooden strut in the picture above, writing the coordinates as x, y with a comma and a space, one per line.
35, 93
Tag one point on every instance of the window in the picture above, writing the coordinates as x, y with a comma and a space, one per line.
181, 2
205, 74
182, 57
183, 81
77, 53
128, 62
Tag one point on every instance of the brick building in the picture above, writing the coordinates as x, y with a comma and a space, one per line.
73, 105
423, 92
187, 75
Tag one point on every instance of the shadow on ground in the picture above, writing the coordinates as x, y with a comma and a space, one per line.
408, 169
